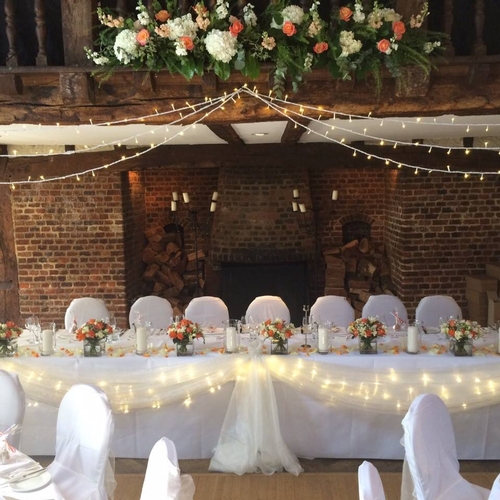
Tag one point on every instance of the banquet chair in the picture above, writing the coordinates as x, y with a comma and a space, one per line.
431, 468
207, 311
430, 309
152, 309
81, 468
83, 309
333, 308
12, 405
163, 480
369, 483
495, 489
383, 306
267, 307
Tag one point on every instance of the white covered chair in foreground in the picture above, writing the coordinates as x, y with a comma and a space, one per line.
207, 311
81, 468
82, 309
12, 405
495, 490
267, 307
431, 468
163, 480
333, 308
369, 482
430, 309
152, 309
384, 307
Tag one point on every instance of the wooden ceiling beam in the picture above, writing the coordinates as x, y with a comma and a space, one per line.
226, 133
294, 130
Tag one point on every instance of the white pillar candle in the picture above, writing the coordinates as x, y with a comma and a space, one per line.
175, 196
322, 339
47, 341
231, 339
295, 206
302, 208
412, 339
215, 196
295, 193
335, 195
141, 339
173, 206
213, 206
185, 197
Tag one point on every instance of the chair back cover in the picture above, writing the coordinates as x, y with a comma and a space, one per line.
207, 311
333, 308
12, 405
431, 455
430, 309
156, 310
83, 309
163, 480
369, 483
267, 307
81, 468
383, 306
495, 490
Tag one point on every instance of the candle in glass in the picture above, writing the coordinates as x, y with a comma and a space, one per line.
231, 339
412, 340
47, 342
323, 344
141, 339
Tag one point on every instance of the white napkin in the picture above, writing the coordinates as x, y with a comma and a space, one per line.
10, 458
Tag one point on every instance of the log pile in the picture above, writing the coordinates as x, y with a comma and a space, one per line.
358, 270
170, 272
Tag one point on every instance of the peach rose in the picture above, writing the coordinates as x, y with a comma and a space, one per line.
384, 45
187, 42
236, 27
289, 28
345, 13
163, 16
142, 37
399, 29
320, 47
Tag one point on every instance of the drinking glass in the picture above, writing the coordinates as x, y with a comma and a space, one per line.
111, 321
33, 326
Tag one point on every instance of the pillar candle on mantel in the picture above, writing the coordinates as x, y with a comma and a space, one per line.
185, 197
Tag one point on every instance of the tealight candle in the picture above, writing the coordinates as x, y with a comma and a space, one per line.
141, 339
231, 339
323, 340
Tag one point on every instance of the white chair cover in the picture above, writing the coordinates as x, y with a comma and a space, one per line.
267, 307
369, 482
333, 308
163, 480
433, 307
432, 469
156, 310
383, 306
495, 490
81, 468
207, 311
83, 309
12, 405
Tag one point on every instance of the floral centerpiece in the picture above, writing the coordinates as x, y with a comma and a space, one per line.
368, 330
279, 332
461, 333
94, 334
354, 41
183, 333
9, 333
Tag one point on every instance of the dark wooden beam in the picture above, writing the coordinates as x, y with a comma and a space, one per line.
294, 130
226, 133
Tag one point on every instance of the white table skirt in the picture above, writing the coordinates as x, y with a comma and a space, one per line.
311, 427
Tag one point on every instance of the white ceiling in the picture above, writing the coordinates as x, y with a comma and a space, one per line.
445, 130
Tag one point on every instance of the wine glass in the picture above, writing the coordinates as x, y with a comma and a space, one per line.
33, 326
111, 321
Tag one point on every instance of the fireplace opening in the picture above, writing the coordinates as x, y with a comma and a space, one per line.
355, 230
241, 283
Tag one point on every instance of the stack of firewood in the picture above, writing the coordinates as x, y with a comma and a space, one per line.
170, 272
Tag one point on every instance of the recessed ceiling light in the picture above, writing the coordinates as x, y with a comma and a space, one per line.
260, 134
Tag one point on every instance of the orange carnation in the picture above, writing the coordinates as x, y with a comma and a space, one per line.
399, 29
236, 27
345, 13
187, 42
162, 16
289, 28
320, 47
384, 45
142, 37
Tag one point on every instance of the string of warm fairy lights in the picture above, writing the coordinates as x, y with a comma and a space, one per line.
283, 107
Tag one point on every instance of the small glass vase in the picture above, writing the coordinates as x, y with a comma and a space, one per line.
184, 348
94, 348
8, 348
367, 345
279, 346
462, 347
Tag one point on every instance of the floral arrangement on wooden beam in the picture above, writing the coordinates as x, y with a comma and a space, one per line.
353, 43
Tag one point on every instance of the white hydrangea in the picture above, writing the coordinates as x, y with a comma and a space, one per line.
222, 9
143, 18
293, 13
390, 15
180, 49
348, 43
249, 15
221, 45
126, 47
182, 26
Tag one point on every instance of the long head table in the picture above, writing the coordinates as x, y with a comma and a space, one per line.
340, 405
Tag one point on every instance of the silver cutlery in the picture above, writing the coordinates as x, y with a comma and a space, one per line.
27, 475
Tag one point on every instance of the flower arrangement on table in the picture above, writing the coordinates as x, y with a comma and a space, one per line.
93, 333
183, 332
9, 332
279, 331
354, 42
461, 332
367, 330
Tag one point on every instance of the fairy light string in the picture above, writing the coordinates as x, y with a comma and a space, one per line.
284, 108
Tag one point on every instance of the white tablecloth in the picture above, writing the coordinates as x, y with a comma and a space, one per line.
311, 427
